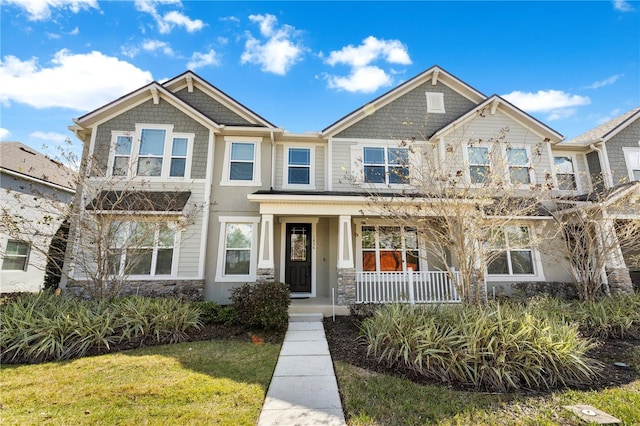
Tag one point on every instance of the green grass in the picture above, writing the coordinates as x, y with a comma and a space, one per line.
378, 399
209, 382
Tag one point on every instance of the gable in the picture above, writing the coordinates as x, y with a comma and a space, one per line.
211, 108
407, 116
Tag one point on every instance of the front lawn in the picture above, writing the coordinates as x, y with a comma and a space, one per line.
208, 382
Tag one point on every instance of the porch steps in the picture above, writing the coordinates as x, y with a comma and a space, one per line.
305, 317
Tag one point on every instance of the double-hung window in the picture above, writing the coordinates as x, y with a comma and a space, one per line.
389, 248
122, 155
299, 166
565, 172
151, 152
241, 161
386, 165
511, 252
479, 164
16, 257
632, 158
179, 148
237, 249
518, 163
141, 248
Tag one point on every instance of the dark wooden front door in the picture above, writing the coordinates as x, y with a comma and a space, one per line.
298, 261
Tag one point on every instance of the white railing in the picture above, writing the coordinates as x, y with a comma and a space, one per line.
406, 287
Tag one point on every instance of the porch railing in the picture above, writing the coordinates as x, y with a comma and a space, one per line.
406, 287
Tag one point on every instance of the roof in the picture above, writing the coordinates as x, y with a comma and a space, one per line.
23, 160
144, 201
606, 130
435, 74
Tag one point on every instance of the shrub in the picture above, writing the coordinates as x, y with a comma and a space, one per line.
263, 305
212, 313
44, 327
494, 348
361, 311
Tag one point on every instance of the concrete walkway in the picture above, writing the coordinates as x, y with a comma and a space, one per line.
303, 390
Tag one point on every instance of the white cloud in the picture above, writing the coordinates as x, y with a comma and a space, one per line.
199, 59
129, 51
229, 19
74, 31
605, 82
40, 10
371, 50
49, 136
77, 81
154, 45
622, 6
279, 52
362, 80
556, 103
169, 20
364, 77
4, 134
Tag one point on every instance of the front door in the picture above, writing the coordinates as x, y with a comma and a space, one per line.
298, 260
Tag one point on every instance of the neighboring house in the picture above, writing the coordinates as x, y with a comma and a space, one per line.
294, 207
29, 181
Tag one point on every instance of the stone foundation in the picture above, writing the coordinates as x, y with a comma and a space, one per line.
346, 291
559, 290
619, 281
186, 289
265, 275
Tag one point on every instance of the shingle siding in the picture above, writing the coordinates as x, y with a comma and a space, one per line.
407, 117
214, 110
628, 137
148, 113
595, 170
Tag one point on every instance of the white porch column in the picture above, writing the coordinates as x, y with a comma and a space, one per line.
345, 243
265, 254
616, 270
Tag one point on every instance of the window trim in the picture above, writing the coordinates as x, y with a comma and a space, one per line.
286, 165
253, 256
13, 257
536, 260
628, 151
574, 161
132, 171
468, 164
386, 166
532, 175
257, 162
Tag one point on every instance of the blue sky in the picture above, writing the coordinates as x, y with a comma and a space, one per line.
303, 65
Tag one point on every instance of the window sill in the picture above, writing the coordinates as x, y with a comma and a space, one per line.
512, 278
235, 278
240, 183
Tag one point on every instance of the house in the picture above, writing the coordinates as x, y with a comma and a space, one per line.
298, 208
34, 187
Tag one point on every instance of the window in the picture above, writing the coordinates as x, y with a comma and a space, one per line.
632, 158
122, 155
237, 249
435, 103
141, 248
385, 165
518, 163
242, 161
389, 248
16, 256
479, 164
511, 251
299, 166
565, 173
154, 151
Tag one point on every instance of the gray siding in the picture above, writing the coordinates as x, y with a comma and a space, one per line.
595, 171
407, 117
148, 113
208, 106
628, 137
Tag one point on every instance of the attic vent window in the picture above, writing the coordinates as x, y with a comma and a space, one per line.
435, 103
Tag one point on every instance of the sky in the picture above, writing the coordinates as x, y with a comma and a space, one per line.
303, 65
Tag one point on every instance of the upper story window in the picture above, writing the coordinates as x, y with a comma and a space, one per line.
565, 172
389, 248
479, 164
435, 103
513, 254
386, 165
299, 170
16, 257
241, 161
518, 163
632, 158
151, 151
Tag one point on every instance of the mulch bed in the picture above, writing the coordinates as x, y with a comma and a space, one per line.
346, 346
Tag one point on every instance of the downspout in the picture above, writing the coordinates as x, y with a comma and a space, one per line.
604, 163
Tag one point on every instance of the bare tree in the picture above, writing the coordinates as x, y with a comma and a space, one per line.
468, 198
119, 225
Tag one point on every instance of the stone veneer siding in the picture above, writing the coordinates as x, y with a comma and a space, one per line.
620, 281
265, 275
149, 113
346, 291
187, 289
407, 116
